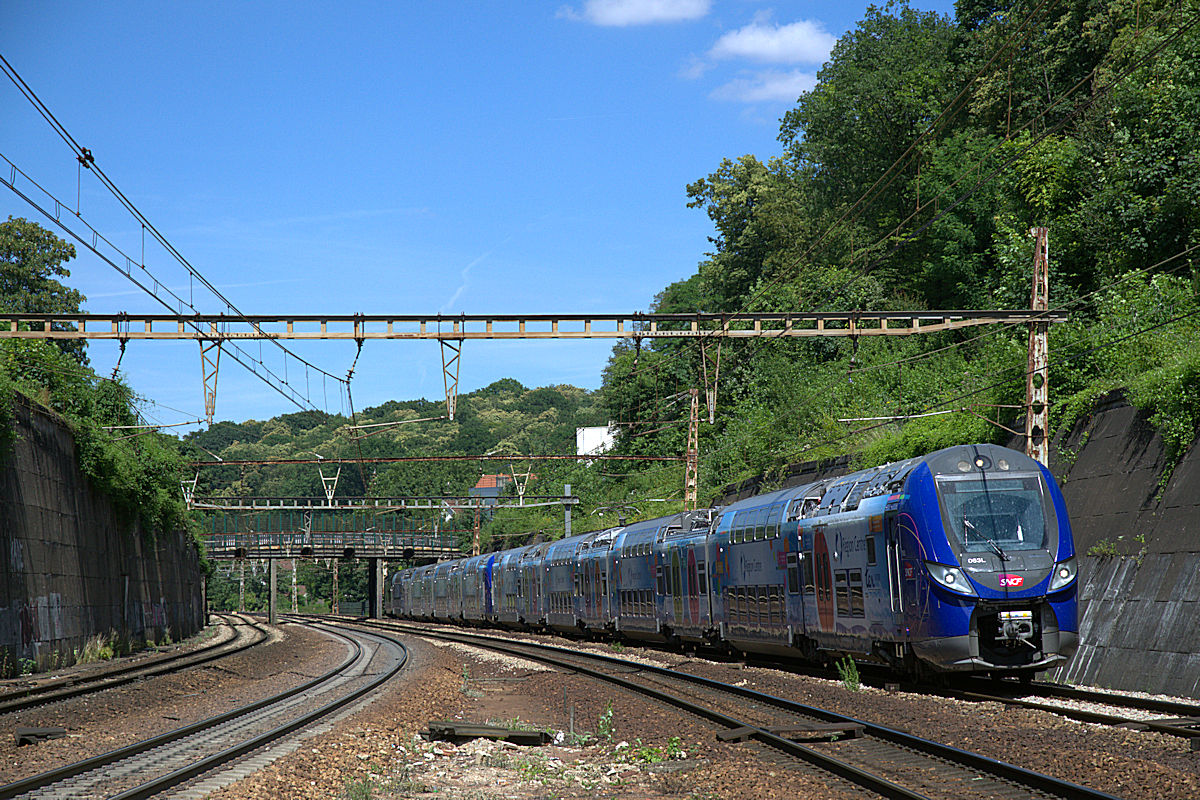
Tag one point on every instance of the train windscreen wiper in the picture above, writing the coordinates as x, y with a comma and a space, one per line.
999, 551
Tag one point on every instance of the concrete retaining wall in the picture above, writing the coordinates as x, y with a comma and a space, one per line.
1140, 587
70, 571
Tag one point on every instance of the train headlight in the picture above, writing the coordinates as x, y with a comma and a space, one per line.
951, 578
1064, 573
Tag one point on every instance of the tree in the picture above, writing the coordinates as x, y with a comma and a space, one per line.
30, 256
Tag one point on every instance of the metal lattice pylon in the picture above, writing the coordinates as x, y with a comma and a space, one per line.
710, 387
1037, 379
451, 351
691, 471
210, 358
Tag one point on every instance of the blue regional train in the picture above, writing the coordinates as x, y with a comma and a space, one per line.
959, 561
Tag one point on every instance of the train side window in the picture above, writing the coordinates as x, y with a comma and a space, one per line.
658, 576
854, 579
793, 573
841, 585
871, 559
701, 579
806, 573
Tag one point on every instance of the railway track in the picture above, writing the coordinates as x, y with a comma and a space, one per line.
121, 674
885, 761
167, 763
1169, 717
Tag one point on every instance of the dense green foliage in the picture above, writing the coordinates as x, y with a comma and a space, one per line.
505, 418
909, 179
31, 258
314, 579
139, 470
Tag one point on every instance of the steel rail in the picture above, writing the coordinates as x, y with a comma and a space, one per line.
994, 767
1184, 729
109, 679
116, 669
50, 777
1144, 703
161, 784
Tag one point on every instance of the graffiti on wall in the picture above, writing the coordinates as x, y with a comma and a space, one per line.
30, 630
38, 622
156, 615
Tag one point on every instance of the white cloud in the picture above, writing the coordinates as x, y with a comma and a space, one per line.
803, 42
768, 86
620, 13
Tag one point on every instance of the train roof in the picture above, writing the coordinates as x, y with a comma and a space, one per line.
844, 492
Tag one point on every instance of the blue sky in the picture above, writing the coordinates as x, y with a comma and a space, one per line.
402, 157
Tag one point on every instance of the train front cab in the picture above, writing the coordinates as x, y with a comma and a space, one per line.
988, 563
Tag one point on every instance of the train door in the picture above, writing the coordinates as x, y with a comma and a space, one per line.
676, 584
824, 579
894, 569
794, 607
693, 587
488, 598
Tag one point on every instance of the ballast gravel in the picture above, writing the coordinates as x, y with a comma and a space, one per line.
608, 743
612, 744
98, 723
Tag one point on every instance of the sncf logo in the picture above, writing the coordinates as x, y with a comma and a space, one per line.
1011, 580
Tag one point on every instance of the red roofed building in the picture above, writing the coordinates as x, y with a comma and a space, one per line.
490, 487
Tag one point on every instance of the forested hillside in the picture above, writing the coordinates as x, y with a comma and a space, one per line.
909, 179
505, 418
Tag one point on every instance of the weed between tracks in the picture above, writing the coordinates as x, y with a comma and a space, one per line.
848, 672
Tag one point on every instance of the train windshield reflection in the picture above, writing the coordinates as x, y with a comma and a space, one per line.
995, 514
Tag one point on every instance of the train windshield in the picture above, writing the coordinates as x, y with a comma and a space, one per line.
995, 514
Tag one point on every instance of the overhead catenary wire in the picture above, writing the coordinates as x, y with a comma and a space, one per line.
1019, 377
1079, 301
86, 160
245, 360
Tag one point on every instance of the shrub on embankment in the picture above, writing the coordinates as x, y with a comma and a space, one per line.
137, 469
